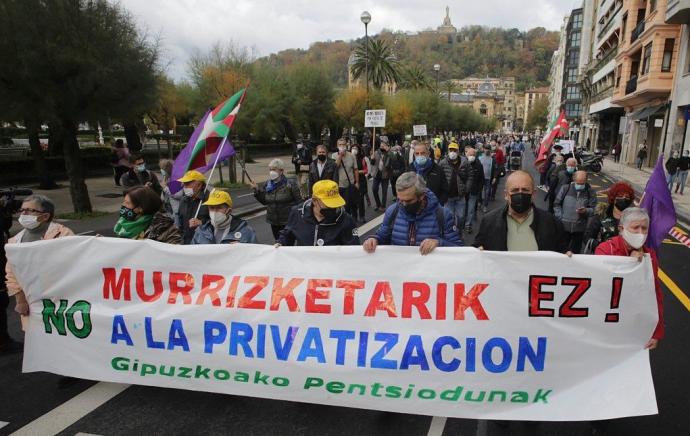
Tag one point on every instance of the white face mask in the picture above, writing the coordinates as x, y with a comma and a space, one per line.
188, 192
355, 151
299, 146
220, 219
341, 149
471, 158
273, 175
453, 155
29, 222
635, 240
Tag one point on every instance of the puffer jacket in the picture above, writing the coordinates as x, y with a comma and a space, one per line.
472, 175
616, 246
162, 229
447, 168
279, 202
426, 225
568, 201
303, 229
239, 231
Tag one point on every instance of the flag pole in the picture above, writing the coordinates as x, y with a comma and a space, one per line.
210, 177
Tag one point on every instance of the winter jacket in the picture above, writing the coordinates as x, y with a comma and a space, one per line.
302, 156
239, 231
302, 228
447, 166
54, 231
397, 164
616, 246
684, 163
426, 225
330, 172
672, 165
563, 178
162, 229
186, 211
472, 175
493, 231
375, 171
601, 226
436, 181
567, 202
279, 202
134, 178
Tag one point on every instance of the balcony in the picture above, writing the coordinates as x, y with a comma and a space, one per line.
631, 85
678, 12
637, 31
601, 63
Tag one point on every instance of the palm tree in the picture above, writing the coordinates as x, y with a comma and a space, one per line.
415, 78
383, 65
449, 87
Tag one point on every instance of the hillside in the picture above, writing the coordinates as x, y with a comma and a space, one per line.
474, 51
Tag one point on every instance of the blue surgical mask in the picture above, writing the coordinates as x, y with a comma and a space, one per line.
421, 160
570, 169
141, 168
579, 187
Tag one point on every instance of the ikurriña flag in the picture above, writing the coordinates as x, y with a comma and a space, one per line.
205, 142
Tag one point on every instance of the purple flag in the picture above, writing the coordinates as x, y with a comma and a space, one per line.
659, 204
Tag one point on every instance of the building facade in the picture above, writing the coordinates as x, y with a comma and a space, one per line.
678, 137
556, 73
645, 69
571, 97
496, 94
530, 99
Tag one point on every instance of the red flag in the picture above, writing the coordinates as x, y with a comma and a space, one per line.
558, 129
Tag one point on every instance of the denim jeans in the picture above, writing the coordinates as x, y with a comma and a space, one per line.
470, 206
670, 178
682, 177
487, 192
456, 206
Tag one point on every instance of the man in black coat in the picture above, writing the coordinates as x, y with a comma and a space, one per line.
471, 174
323, 168
520, 226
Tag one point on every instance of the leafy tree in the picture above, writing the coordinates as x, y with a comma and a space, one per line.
414, 77
538, 115
350, 105
383, 65
314, 97
399, 113
87, 59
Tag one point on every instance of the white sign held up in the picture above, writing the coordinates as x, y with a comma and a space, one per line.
375, 118
419, 130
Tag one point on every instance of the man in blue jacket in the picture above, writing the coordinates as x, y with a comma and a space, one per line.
417, 219
223, 227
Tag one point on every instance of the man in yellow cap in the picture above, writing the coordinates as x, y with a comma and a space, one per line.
188, 219
321, 220
223, 227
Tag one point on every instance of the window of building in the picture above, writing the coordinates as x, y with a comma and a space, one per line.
652, 5
572, 75
482, 109
575, 39
668, 55
573, 57
573, 92
619, 73
646, 58
573, 110
625, 22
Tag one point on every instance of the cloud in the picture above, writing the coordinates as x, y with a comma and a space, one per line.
269, 26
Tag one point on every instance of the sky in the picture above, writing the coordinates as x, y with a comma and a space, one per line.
268, 26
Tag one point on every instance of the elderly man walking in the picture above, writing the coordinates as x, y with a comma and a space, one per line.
417, 219
574, 205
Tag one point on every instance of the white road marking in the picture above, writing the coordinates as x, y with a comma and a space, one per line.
438, 423
3, 423
86, 434
245, 195
85, 233
254, 215
370, 225
73, 410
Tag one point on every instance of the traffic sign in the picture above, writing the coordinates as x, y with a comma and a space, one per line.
375, 118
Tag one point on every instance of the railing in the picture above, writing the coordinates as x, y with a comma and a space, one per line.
607, 27
637, 31
605, 60
631, 85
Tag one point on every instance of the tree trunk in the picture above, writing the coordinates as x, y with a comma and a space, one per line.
74, 167
336, 132
54, 138
40, 166
132, 137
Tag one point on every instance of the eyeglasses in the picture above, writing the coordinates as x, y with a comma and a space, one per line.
23, 211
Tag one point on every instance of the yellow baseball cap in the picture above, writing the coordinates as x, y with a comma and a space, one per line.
192, 176
327, 192
453, 145
217, 198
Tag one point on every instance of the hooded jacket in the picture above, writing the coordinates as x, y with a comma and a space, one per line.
426, 225
302, 228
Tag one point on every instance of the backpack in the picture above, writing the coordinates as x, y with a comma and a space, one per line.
440, 219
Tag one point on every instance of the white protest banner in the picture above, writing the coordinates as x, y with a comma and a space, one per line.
419, 130
375, 118
458, 333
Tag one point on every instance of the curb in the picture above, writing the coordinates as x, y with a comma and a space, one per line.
680, 215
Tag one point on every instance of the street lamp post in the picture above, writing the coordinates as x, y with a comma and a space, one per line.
437, 68
366, 19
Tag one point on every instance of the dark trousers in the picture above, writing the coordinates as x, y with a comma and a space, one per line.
276, 230
4, 304
393, 180
351, 197
383, 183
574, 241
363, 192
119, 171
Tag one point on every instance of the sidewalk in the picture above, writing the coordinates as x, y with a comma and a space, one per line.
638, 179
107, 197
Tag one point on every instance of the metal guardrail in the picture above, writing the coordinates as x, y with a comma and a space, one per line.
637, 31
631, 85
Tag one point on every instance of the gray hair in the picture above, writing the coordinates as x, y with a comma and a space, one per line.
322, 147
631, 214
410, 179
277, 163
45, 203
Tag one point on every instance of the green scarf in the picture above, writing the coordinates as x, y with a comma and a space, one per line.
132, 229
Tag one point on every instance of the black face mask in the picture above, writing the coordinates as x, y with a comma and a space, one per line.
329, 215
321, 157
622, 203
127, 213
413, 208
520, 202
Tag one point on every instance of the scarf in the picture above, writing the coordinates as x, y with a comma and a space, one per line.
423, 169
132, 229
272, 186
